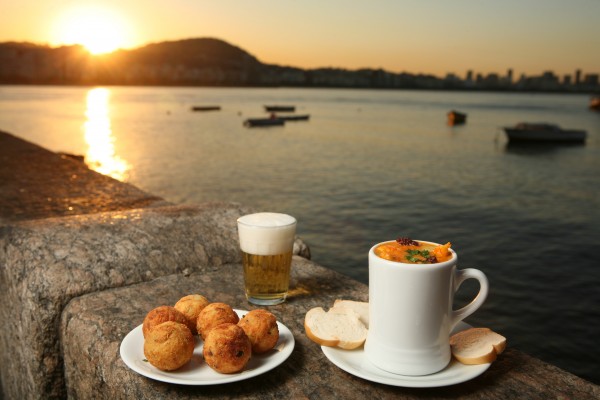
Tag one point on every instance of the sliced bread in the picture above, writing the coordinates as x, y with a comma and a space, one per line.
361, 307
477, 345
338, 327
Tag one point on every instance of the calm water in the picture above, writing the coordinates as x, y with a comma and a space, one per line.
370, 166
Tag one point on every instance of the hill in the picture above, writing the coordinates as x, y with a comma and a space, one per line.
194, 53
190, 62
214, 62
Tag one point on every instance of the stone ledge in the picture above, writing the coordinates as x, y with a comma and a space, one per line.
37, 183
45, 263
93, 326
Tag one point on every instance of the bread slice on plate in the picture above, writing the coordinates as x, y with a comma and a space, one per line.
339, 327
361, 307
477, 345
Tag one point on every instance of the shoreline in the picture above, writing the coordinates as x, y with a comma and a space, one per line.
588, 92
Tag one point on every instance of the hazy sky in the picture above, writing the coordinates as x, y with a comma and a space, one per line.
416, 36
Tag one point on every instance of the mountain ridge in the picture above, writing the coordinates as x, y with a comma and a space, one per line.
214, 62
194, 51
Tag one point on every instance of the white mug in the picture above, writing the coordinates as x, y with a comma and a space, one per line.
411, 315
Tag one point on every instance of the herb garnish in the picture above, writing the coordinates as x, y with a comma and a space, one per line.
418, 256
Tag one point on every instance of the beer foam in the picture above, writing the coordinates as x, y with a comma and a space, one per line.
266, 233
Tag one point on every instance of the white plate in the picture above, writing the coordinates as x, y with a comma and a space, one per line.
197, 372
355, 363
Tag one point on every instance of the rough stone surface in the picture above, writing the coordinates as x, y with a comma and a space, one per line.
45, 263
37, 183
94, 325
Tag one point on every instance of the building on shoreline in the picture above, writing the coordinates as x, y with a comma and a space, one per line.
212, 62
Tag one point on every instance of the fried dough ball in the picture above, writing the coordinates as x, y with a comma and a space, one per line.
227, 348
215, 314
169, 345
261, 327
190, 306
162, 314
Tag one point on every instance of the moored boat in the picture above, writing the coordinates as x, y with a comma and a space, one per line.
280, 108
206, 108
595, 103
294, 117
455, 117
253, 122
543, 132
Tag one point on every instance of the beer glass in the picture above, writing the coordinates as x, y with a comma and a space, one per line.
266, 242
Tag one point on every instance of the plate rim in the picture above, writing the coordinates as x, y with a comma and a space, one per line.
425, 381
285, 336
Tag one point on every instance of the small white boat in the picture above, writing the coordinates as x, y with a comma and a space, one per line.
543, 132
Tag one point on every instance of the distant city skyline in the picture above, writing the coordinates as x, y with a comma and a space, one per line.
428, 37
213, 62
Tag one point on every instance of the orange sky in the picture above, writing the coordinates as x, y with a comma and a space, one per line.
425, 36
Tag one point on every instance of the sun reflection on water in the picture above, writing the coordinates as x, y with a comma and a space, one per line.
101, 155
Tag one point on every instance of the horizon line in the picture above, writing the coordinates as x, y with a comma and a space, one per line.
446, 74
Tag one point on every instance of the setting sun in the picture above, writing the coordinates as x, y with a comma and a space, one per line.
100, 30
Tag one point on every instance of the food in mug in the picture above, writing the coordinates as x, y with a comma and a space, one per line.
409, 251
162, 314
215, 314
190, 306
169, 345
261, 327
227, 348
338, 327
477, 345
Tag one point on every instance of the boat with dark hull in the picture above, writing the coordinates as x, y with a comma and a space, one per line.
257, 122
456, 118
206, 108
280, 108
543, 133
294, 117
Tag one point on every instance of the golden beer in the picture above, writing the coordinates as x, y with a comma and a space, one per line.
267, 278
266, 241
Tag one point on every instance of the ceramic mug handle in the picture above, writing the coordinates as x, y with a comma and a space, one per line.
461, 275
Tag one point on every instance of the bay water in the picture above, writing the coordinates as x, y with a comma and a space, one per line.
371, 166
